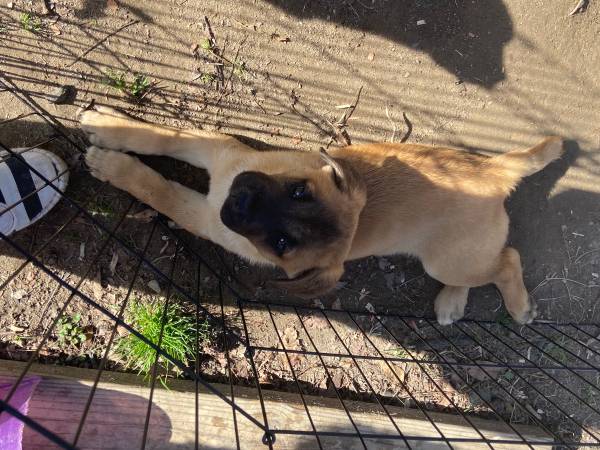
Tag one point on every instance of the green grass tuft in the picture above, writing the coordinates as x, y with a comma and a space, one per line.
30, 23
118, 80
400, 352
115, 80
206, 44
140, 85
178, 339
69, 330
207, 78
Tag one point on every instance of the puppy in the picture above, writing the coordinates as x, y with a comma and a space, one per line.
309, 212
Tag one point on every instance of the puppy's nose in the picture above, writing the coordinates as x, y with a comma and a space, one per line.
244, 204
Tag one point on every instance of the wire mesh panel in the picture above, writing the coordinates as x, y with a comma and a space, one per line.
358, 379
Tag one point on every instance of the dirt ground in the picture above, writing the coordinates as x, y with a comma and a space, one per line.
484, 75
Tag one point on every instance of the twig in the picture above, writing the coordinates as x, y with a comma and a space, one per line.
387, 113
563, 279
339, 128
50, 8
409, 128
214, 50
354, 105
294, 99
581, 5
101, 41
585, 254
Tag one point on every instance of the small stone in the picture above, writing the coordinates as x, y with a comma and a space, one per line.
406, 75
10, 5
421, 22
18, 294
471, 35
61, 95
371, 56
153, 284
369, 307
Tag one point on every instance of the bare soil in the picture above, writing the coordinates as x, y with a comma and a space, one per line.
487, 76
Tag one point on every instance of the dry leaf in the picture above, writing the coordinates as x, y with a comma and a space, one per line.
97, 289
55, 29
338, 378
145, 216
153, 284
290, 338
113, 262
369, 307
316, 321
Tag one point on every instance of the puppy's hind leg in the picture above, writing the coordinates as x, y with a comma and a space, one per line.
188, 208
509, 279
109, 128
450, 304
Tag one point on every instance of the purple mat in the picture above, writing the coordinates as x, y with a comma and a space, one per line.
11, 429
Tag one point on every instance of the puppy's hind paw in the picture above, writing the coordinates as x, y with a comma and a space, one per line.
528, 315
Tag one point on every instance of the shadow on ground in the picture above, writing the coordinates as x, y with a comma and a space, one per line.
466, 38
394, 284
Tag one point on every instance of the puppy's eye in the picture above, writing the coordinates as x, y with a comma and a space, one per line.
299, 191
281, 245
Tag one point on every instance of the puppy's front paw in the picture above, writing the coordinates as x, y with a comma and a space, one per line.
449, 315
108, 165
450, 304
104, 126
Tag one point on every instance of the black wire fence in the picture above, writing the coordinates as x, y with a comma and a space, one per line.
541, 377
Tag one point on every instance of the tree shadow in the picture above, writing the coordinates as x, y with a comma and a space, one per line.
466, 38
94, 9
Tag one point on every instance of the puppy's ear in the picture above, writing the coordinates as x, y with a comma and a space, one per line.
312, 282
337, 172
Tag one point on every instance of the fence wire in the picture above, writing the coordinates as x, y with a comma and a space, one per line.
553, 366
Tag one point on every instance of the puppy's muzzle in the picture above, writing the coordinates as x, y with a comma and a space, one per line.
248, 196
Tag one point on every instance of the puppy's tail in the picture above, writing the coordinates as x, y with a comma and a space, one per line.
511, 167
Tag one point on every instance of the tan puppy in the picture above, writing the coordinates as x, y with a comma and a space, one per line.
308, 213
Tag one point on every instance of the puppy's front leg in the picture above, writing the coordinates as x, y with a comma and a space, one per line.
108, 128
188, 208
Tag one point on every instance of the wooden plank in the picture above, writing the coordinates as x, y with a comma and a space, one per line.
118, 411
